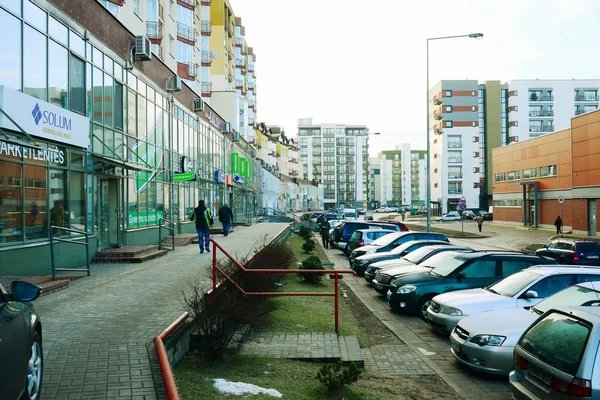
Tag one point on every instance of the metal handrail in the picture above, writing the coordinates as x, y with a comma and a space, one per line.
336, 273
74, 241
170, 226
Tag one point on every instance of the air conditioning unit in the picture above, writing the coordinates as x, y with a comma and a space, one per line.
254, 153
226, 127
142, 48
198, 104
174, 84
236, 137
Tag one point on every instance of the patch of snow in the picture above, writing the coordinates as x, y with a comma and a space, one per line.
239, 388
425, 352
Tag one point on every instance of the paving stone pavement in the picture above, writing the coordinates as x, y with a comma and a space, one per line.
98, 333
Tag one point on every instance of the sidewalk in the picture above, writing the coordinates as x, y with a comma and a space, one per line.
97, 334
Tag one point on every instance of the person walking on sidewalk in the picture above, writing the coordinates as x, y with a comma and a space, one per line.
558, 224
204, 221
325, 227
226, 218
479, 220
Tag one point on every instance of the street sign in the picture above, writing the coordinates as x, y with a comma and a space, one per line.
561, 199
462, 206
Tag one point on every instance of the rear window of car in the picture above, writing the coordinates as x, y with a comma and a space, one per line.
588, 246
391, 227
558, 340
355, 235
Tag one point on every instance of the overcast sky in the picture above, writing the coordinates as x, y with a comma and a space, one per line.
364, 61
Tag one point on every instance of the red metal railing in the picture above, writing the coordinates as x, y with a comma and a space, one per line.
163, 359
336, 273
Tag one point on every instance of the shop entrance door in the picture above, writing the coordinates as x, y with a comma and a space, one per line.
110, 213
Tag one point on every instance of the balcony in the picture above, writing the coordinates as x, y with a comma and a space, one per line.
454, 160
206, 28
205, 2
161, 12
437, 131
582, 110
251, 67
251, 120
437, 101
189, 4
586, 97
186, 33
252, 104
231, 29
239, 83
438, 116
541, 113
239, 42
542, 128
206, 60
251, 85
540, 97
454, 145
187, 71
455, 191
206, 89
154, 31
455, 176
239, 62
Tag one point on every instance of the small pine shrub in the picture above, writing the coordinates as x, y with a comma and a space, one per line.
312, 262
305, 232
335, 377
308, 246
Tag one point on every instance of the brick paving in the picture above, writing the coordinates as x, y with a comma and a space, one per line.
98, 333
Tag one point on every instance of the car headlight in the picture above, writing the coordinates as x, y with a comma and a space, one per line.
488, 340
450, 311
370, 251
406, 289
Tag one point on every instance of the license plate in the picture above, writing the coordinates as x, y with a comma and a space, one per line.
429, 317
541, 375
455, 346
593, 257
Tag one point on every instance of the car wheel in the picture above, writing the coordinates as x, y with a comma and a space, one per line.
424, 303
562, 260
35, 368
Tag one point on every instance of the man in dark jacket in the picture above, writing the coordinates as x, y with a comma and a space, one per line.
325, 227
204, 221
226, 218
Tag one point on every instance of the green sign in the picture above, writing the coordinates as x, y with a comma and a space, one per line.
249, 169
186, 176
144, 218
243, 167
235, 163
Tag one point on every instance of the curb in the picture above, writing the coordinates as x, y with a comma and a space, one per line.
163, 360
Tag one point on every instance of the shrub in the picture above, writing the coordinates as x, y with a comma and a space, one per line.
308, 246
335, 377
305, 232
312, 262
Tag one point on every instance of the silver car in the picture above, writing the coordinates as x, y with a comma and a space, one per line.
485, 341
556, 357
523, 289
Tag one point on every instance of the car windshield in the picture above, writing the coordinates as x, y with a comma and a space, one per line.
576, 295
588, 246
445, 263
385, 240
513, 284
418, 255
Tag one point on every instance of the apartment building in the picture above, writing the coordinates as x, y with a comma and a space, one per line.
336, 155
403, 178
537, 107
374, 183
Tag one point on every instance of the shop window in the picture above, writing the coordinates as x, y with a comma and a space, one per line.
108, 102
77, 209
145, 201
97, 95
34, 63
118, 105
142, 117
11, 204
78, 87
35, 206
131, 113
10, 51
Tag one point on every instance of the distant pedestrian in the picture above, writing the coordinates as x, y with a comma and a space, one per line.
204, 221
479, 220
403, 216
558, 224
324, 228
226, 218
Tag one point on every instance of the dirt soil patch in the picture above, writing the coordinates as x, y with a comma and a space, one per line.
414, 387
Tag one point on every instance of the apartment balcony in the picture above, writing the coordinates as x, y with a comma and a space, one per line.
294, 160
533, 97
239, 62
582, 110
206, 59
251, 85
239, 42
454, 145
187, 33
586, 97
455, 176
206, 89
161, 12
251, 67
438, 116
206, 28
294, 172
244, 50
541, 113
187, 71
239, 83
205, 2
454, 160
231, 73
542, 128
251, 103
437, 131
455, 191
251, 120
437, 101
231, 30
154, 31
189, 4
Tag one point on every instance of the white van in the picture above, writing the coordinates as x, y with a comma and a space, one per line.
349, 213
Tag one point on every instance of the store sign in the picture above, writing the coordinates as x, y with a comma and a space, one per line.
52, 156
42, 119
219, 176
184, 177
238, 179
144, 218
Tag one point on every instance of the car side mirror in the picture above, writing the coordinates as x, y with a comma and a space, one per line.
25, 291
531, 294
404, 253
460, 276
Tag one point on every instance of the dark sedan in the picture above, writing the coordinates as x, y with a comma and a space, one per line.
21, 356
569, 251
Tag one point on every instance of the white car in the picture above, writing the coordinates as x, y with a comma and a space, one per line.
451, 216
485, 341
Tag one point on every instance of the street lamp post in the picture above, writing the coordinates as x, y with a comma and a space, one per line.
428, 199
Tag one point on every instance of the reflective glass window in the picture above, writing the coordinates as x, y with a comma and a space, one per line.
77, 209
97, 94
34, 64
76, 43
118, 105
35, 15
58, 74
12, 5
36, 211
98, 58
108, 100
10, 50
131, 113
11, 209
78, 89
58, 31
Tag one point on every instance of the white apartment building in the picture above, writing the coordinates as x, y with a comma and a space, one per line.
336, 155
537, 107
374, 183
403, 176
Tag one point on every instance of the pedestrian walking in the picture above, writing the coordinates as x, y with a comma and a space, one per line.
403, 216
558, 224
325, 227
204, 221
479, 220
226, 218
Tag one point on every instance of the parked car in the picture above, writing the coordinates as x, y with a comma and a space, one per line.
451, 216
570, 251
413, 293
556, 356
368, 217
488, 217
468, 214
361, 263
523, 289
485, 341
362, 237
343, 232
413, 258
22, 358
389, 242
